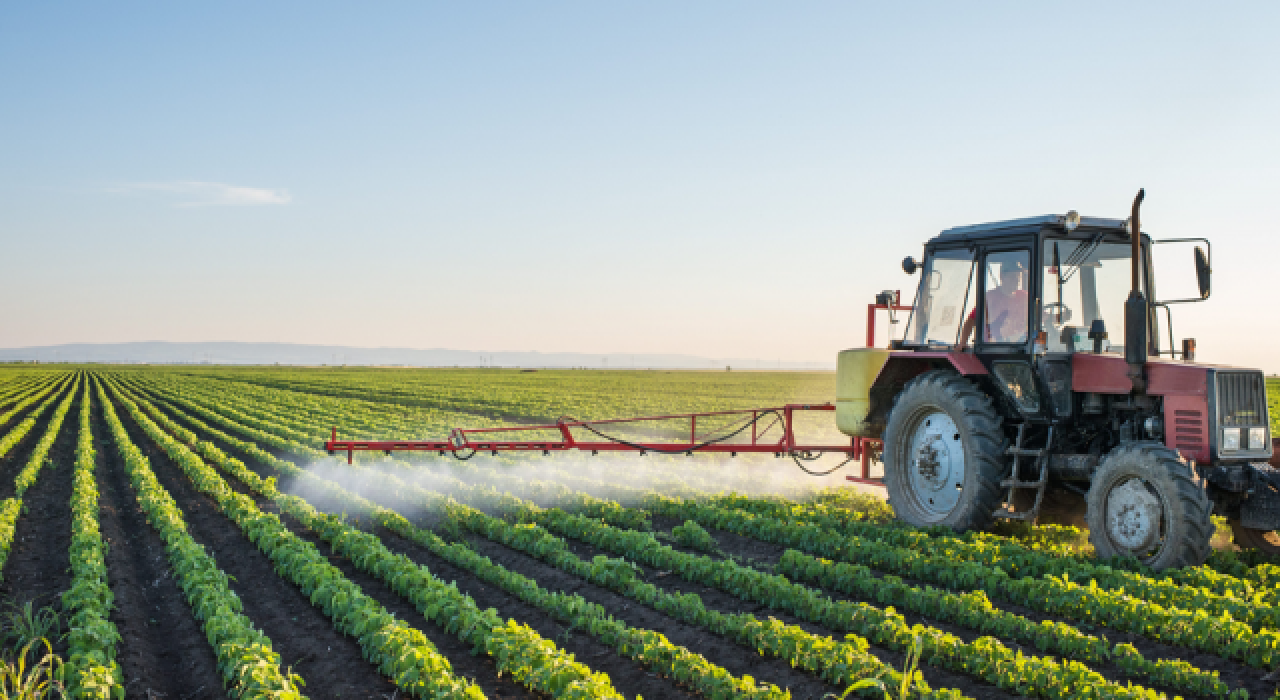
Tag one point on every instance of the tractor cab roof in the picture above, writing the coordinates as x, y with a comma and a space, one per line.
1089, 226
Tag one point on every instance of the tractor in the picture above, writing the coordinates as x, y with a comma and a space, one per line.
1031, 382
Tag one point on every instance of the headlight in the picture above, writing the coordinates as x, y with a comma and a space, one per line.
1230, 439
1257, 438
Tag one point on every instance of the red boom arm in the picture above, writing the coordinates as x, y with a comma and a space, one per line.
496, 440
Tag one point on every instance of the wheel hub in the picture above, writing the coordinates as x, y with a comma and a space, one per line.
1134, 514
935, 464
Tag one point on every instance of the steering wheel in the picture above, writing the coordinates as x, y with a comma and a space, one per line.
1051, 311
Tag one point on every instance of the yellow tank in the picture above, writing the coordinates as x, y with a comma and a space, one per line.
856, 371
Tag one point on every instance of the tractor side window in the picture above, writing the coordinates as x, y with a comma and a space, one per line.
945, 295
1084, 281
1007, 301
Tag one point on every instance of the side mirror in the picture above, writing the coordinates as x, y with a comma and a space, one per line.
909, 265
1202, 272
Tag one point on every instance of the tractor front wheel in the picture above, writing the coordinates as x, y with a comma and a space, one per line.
1144, 502
944, 453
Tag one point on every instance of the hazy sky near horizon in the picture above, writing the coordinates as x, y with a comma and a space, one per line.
719, 179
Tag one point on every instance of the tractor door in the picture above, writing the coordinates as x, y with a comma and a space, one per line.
1005, 330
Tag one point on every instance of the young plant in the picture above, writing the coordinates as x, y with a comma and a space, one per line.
910, 676
693, 536
39, 682
23, 625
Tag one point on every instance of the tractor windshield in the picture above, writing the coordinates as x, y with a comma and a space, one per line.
1084, 280
944, 300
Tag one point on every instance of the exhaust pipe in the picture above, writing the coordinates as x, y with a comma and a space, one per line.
1136, 310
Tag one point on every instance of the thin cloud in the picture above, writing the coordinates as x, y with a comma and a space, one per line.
206, 194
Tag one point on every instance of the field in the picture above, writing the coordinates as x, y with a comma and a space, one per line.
186, 537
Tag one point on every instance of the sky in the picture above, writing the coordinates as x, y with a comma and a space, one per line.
723, 179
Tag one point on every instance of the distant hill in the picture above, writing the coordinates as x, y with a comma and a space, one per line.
292, 354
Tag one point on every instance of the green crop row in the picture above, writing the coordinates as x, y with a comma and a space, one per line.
1160, 591
1057, 595
19, 389
39, 390
402, 653
985, 658
1171, 673
11, 507
971, 610
1189, 587
644, 646
975, 611
92, 637
544, 395
246, 661
533, 661
839, 663
46, 397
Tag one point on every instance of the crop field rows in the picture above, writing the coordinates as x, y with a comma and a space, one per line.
193, 540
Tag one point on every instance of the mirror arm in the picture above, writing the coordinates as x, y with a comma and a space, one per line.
1208, 255
1169, 316
1207, 244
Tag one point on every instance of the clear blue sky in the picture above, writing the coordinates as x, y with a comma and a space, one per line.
725, 179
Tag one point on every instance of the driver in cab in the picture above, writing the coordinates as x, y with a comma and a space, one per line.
1007, 308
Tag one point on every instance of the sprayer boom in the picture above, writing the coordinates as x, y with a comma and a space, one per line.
750, 430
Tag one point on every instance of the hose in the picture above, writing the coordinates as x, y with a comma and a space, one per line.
691, 448
809, 457
795, 456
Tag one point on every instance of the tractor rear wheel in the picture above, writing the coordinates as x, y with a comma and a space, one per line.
1263, 541
1144, 502
944, 453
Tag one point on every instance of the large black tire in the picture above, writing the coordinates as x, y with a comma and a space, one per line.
1158, 513
1263, 541
978, 438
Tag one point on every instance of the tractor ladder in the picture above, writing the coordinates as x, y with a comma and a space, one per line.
1015, 482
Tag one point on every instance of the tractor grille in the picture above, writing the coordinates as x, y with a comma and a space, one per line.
1189, 431
1241, 413
1242, 399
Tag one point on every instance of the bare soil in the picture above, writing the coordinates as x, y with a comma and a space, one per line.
38, 568
162, 652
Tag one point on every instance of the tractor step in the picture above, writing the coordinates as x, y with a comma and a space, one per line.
1015, 481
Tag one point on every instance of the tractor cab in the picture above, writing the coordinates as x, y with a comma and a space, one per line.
997, 287
1014, 292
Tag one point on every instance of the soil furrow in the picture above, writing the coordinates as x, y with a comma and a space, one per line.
39, 567
16, 459
715, 648
163, 652
719, 650
331, 663
628, 677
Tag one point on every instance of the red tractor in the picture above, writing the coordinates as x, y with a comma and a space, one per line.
1032, 378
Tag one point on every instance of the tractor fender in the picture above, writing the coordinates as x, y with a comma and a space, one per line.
867, 379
